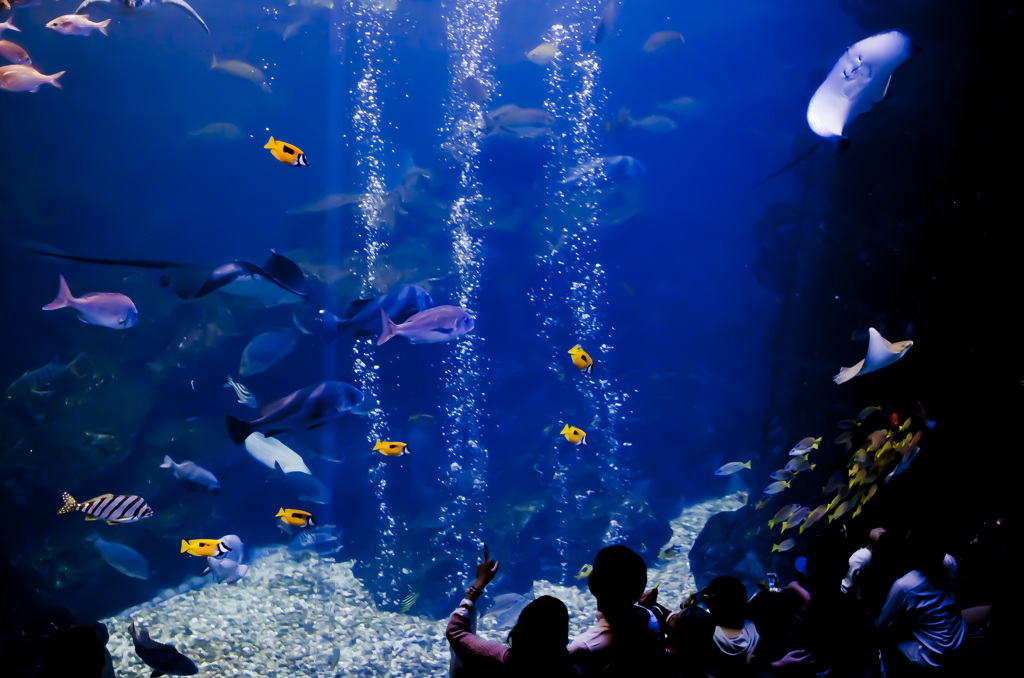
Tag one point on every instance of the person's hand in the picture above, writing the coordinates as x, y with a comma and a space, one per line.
485, 571
791, 658
649, 598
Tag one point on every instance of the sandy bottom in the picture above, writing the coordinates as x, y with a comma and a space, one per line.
301, 615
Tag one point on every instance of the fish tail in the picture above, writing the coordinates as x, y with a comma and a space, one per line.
102, 26
269, 144
390, 329
565, 429
9, 25
184, 546
378, 445
213, 65
238, 430
280, 513
168, 462
54, 79
574, 350
775, 547
63, 299
69, 504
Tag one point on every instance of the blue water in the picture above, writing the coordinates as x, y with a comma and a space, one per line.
684, 297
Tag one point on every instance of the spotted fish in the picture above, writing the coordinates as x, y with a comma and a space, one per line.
113, 508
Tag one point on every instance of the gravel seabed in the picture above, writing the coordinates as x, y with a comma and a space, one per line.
300, 615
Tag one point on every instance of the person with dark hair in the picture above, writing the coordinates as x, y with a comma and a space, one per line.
536, 644
920, 620
735, 638
622, 642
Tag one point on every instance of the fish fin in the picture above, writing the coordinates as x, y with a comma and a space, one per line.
64, 297
793, 163
848, 373
287, 273
102, 26
88, 518
69, 504
168, 462
238, 430
111, 522
389, 328
205, 572
269, 144
54, 79
356, 306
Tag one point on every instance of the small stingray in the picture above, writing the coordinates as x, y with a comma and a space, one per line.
278, 281
881, 353
858, 81
163, 658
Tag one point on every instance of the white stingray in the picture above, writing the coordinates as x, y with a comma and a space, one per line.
859, 80
269, 451
881, 353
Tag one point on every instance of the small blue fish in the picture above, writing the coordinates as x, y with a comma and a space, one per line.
160, 656
441, 323
105, 309
195, 476
124, 559
324, 540
244, 395
306, 408
265, 350
363, 315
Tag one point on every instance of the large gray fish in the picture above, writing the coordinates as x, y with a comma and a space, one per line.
519, 122
41, 382
265, 350
113, 508
162, 657
142, 4
306, 408
363, 315
441, 323
106, 309
195, 476
124, 559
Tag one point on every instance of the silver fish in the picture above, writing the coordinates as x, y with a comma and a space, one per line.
265, 350
106, 309
244, 395
195, 476
124, 559
441, 323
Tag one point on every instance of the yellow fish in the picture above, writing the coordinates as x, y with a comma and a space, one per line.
205, 547
584, 572
574, 435
581, 360
669, 552
389, 449
287, 153
784, 545
296, 518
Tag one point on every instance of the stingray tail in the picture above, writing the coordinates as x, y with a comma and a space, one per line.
796, 161
136, 263
63, 299
390, 329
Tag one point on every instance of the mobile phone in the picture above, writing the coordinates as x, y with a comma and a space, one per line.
773, 582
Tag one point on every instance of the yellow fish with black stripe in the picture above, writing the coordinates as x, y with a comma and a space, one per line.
286, 153
574, 435
296, 518
391, 449
581, 360
113, 508
205, 548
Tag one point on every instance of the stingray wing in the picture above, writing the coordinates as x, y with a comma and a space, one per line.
180, 3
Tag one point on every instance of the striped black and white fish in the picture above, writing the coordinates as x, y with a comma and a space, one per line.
243, 394
408, 602
113, 508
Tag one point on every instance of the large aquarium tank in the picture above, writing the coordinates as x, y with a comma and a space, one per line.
305, 301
